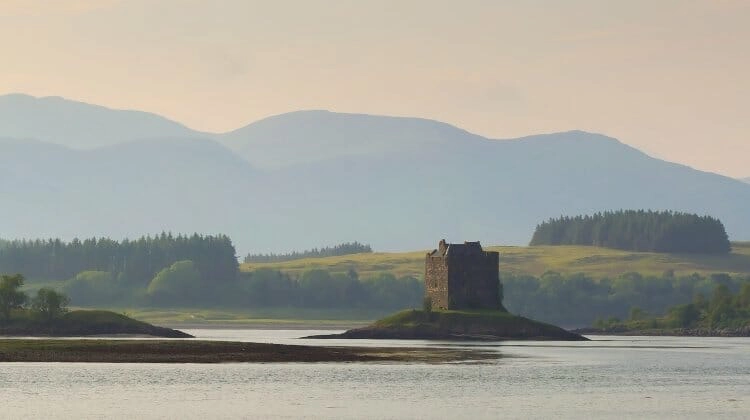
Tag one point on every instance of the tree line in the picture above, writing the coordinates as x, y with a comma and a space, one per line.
722, 310
637, 230
578, 300
318, 289
346, 248
129, 262
571, 300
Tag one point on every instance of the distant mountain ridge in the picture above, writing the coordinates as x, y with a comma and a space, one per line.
78, 124
297, 180
746, 180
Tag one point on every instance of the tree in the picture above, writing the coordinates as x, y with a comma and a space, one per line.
92, 287
637, 313
10, 295
427, 304
743, 298
684, 316
638, 230
176, 284
346, 248
49, 303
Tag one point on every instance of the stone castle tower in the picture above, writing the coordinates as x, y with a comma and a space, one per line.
462, 276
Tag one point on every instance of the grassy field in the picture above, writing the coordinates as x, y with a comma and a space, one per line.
534, 260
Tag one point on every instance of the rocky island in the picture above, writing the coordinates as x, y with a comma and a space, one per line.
463, 301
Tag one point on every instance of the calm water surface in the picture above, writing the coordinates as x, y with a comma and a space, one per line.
611, 377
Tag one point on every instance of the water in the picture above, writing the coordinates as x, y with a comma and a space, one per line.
611, 377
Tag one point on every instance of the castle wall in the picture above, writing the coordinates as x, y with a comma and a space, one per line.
436, 281
473, 281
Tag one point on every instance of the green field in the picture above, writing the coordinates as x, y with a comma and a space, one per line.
535, 260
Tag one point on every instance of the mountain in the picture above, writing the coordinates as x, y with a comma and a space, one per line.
309, 136
80, 125
745, 180
313, 178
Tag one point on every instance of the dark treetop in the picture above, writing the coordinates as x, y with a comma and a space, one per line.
638, 230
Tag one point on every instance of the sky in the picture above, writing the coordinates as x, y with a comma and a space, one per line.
671, 78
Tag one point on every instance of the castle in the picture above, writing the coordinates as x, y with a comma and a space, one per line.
462, 276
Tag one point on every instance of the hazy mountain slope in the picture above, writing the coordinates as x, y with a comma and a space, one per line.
182, 185
309, 136
495, 191
80, 125
746, 180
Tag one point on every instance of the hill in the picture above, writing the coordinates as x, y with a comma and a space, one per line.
746, 180
535, 260
394, 183
80, 125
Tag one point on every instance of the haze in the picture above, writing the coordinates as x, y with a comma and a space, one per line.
669, 78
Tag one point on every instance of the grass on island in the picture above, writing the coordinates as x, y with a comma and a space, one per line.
458, 320
535, 260
457, 325
413, 317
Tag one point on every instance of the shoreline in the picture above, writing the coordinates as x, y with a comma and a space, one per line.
195, 351
679, 332
263, 325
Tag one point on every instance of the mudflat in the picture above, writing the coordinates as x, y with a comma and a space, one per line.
193, 351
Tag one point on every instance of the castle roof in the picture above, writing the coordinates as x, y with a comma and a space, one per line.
466, 248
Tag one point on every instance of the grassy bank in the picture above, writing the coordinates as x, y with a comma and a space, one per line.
82, 323
535, 260
189, 351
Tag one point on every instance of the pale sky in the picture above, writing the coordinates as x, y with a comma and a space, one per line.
671, 78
